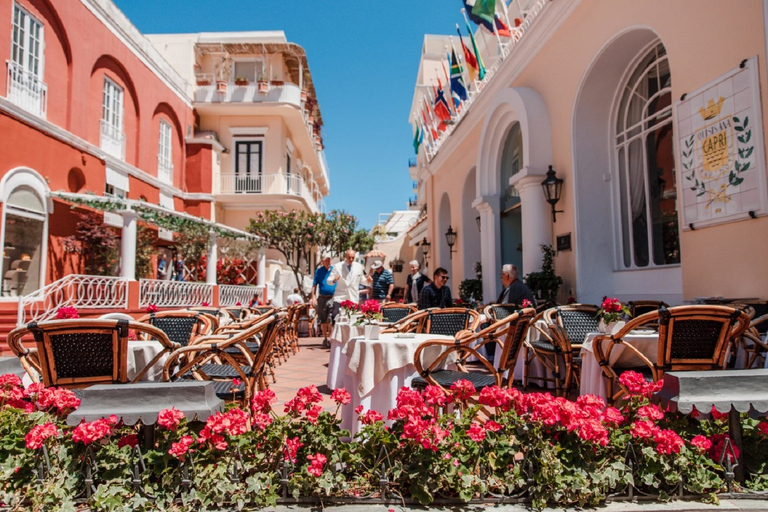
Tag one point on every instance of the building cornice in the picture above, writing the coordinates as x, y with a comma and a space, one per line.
60, 134
544, 27
117, 22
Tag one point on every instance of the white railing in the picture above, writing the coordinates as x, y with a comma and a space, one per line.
79, 291
269, 184
164, 170
231, 294
112, 140
211, 93
26, 90
527, 11
174, 293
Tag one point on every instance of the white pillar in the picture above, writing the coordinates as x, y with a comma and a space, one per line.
212, 258
536, 219
128, 245
261, 278
490, 249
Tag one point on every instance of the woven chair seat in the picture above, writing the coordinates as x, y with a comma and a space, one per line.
223, 371
544, 346
447, 377
252, 347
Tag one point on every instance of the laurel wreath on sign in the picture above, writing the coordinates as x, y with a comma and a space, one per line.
742, 162
697, 186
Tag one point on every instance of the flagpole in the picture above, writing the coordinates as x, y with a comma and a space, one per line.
505, 12
481, 67
460, 58
448, 86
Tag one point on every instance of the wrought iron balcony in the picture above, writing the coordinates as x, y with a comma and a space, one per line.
26, 90
112, 140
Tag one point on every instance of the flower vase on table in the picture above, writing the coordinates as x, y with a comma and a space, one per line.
371, 315
347, 311
612, 314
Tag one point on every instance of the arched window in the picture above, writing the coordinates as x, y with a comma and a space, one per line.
511, 220
647, 192
24, 236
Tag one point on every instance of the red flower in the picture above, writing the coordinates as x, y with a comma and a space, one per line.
341, 396
762, 428
667, 442
238, 303
180, 449
152, 308
492, 426
651, 412
262, 420
37, 435
719, 442
492, 396
435, 395
643, 429
701, 442
313, 413
463, 389
131, 440
67, 312
612, 416
476, 432
637, 385
359, 409
593, 430
169, 419
316, 463
205, 304
717, 415
292, 447
262, 400
88, 433
63, 400
526, 303
371, 417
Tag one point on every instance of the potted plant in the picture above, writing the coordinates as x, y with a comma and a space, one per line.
263, 84
241, 80
278, 83
546, 283
303, 95
203, 80
371, 316
221, 86
612, 314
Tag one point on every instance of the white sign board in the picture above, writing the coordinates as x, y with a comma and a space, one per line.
720, 150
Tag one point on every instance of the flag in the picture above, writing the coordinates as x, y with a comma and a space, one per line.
472, 67
458, 91
418, 137
501, 28
481, 12
428, 122
480, 67
442, 110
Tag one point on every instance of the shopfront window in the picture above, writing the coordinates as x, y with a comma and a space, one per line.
23, 247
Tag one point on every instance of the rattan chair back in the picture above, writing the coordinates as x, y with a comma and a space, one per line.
181, 326
577, 320
236, 313
449, 321
641, 307
499, 311
394, 311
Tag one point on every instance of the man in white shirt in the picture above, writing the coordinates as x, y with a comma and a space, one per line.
294, 298
348, 275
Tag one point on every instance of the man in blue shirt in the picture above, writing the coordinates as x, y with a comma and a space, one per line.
322, 298
383, 283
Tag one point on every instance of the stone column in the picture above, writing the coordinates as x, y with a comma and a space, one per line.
261, 278
212, 258
490, 250
536, 219
128, 245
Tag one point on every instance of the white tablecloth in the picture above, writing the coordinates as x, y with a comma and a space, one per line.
140, 354
337, 362
592, 379
375, 370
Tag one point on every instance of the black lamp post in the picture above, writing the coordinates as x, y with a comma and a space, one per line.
477, 219
425, 249
450, 237
552, 187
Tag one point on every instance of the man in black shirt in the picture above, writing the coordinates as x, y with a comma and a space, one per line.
514, 291
436, 294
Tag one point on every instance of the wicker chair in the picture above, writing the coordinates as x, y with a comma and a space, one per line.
641, 307
446, 321
690, 338
236, 313
497, 312
394, 311
751, 343
208, 359
577, 320
82, 352
181, 326
508, 332
217, 316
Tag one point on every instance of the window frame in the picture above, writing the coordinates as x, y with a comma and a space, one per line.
236, 160
110, 111
24, 49
622, 140
165, 147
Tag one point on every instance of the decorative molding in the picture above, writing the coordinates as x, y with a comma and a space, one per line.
246, 131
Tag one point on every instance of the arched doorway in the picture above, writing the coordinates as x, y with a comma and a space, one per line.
510, 217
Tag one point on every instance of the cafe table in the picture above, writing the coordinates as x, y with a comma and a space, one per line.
375, 370
342, 332
140, 354
592, 378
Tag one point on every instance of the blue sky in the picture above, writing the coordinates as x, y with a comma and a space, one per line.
363, 56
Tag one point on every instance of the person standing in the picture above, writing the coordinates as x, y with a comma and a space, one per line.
436, 294
415, 283
178, 267
348, 275
321, 297
162, 267
383, 282
294, 298
514, 291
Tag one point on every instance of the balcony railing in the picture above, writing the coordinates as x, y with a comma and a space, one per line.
78, 291
229, 92
173, 293
112, 140
230, 294
164, 170
271, 184
26, 90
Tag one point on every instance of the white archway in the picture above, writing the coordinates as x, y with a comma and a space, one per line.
595, 173
525, 106
26, 208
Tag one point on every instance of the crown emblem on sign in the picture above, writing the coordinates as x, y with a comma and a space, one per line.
712, 110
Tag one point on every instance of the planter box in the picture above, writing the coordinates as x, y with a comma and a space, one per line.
263, 86
241, 82
221, 86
